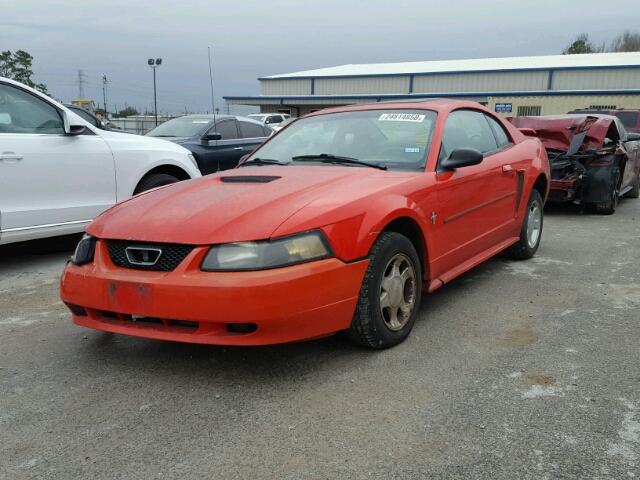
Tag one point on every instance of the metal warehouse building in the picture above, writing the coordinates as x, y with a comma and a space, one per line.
512, 86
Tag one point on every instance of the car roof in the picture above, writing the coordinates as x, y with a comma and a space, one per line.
434, 104
210, 116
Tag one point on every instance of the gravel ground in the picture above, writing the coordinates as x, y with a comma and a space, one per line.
517, 370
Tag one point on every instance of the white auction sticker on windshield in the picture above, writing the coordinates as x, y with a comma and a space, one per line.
199, 121
401, 117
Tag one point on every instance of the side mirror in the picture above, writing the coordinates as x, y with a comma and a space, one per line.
211, 136
461, 157
76, 130
633, 137
70, 129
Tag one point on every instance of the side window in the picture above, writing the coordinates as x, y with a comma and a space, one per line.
21, 112
501, 134
226, 128
273, 119
467, 129
251, 130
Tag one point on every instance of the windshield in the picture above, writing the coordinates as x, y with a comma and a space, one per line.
181, 127
257, 117
396, 139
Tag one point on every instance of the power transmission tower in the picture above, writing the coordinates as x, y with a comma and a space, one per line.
104, 93
82, 79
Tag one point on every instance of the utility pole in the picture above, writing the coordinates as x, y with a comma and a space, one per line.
213, 101
104, 94
155, 63
82, 79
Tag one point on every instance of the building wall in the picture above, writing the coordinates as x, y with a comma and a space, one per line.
286, 87
361, 85
617, 78
548, 105
481, 82
552, 105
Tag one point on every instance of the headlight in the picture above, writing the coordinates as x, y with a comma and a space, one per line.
267, 254
84, 250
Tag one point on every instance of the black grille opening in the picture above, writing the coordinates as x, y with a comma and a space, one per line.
183, 324
170, 255
77, 310
241, 327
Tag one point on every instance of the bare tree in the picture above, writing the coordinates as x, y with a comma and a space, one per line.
627, 41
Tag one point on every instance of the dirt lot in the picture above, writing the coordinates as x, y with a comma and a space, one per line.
526, 370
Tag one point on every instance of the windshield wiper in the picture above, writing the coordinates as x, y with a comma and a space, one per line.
330, 158
263, 161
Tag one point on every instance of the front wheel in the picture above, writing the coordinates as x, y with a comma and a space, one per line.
531, 231
609, 206
390, 294
155, 180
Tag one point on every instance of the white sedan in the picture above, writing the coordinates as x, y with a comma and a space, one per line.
58, 172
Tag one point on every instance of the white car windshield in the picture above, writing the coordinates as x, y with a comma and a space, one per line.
395, 139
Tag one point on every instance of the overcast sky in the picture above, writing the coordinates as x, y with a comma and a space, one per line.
253, 38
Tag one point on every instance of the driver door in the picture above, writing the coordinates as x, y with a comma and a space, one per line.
50, 183
475, 204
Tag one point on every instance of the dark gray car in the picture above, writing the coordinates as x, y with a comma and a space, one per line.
217, 144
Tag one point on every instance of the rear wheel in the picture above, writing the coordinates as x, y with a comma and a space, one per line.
531, 231
155, 180
390, 294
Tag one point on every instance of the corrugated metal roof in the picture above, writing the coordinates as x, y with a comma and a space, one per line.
597, 60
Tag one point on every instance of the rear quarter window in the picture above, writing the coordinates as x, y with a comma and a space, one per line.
251, 130
502, 137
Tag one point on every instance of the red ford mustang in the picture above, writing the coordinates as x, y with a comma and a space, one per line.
338, 222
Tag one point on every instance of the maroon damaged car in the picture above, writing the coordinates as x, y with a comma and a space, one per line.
594, 160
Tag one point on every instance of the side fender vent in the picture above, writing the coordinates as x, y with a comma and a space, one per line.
249, 179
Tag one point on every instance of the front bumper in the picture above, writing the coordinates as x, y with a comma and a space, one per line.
564, 190
287, 304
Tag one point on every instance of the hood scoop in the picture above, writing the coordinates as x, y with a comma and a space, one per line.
249, 179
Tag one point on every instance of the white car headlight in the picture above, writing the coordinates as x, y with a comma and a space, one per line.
267, 254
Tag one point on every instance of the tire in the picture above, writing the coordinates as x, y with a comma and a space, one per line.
608, 207
373, 324
531, 231
154, 180
635, 190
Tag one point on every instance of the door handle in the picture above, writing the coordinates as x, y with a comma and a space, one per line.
507, 169
10, 157
237, 148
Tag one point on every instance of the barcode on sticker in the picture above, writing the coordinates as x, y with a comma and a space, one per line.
401, 117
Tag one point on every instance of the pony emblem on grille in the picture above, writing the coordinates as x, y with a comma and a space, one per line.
143, 255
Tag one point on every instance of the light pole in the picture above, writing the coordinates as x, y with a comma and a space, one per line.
155, 63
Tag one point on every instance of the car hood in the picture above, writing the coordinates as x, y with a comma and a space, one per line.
118, 140
244, 204
174, 139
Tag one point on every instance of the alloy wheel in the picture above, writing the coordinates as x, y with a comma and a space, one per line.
398, 291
